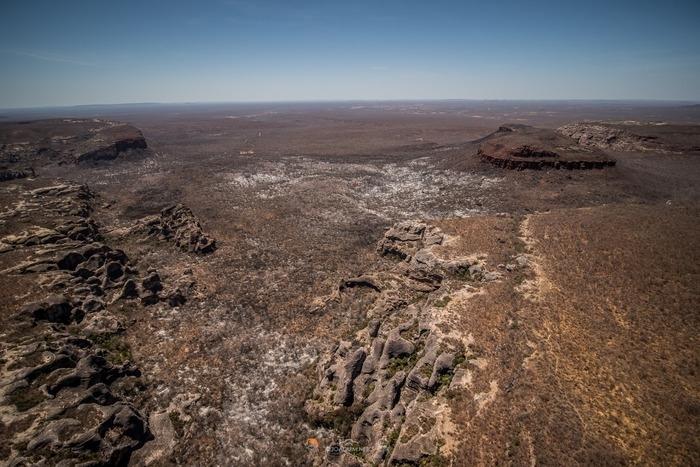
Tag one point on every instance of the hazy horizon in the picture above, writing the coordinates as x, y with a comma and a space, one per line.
652, 102
230, 51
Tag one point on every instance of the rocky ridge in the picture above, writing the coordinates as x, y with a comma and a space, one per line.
383, 392
69, 391
177, 224
8, 174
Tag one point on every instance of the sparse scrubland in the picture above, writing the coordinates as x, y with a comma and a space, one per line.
384, 284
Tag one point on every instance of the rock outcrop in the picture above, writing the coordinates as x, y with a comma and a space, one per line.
633, 136
179, 225
68, 141
601, 136
523, 147
381, 391
67, 381
9, 174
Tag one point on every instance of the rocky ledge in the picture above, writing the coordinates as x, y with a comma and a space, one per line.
524, 147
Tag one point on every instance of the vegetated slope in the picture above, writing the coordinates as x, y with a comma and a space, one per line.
613, 369
555, 342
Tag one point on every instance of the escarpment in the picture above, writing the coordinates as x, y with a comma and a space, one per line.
121, 143
68, 141
524, 147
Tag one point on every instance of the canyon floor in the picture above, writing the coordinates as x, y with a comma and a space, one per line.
351, 284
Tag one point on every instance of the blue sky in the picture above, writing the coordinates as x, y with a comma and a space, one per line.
86, 52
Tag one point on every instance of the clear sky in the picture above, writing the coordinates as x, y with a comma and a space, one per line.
65, 52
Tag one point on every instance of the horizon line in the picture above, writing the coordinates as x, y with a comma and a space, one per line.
320, 101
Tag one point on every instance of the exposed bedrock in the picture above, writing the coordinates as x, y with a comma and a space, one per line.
374, 390
606, 136
68, 141
522, 147
67, 380
179, 225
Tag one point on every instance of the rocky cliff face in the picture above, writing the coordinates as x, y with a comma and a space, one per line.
524, 147
122, 144
68, 141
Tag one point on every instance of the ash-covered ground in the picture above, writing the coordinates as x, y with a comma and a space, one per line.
375, 293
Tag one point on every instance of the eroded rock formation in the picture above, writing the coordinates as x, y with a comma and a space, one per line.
607, 136
67, 382
383, 391
178, 225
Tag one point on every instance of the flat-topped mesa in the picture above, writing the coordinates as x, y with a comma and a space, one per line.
118, 140
524, 147
529, 151
68, 141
